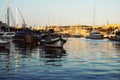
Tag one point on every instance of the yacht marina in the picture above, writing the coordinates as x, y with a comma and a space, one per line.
57, 41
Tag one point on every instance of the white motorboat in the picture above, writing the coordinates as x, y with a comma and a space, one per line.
95, 35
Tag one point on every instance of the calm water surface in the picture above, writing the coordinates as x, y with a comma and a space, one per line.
80, 59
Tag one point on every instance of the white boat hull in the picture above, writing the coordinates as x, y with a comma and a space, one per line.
3, 44
57, 44
7, 35
95, 35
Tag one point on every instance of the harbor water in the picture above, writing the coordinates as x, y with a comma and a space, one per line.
79, 59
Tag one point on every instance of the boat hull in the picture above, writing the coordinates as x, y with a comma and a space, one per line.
7, 35
25, 38
55, 43
96, 37
114, 38
4, 45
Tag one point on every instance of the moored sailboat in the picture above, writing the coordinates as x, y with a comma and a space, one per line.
6, 32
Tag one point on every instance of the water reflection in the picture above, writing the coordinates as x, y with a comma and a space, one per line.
82, 48
116, 46
5, 61
96, 57
53, 55
83, 58
26, 50
55, 52
49, 56
25, 46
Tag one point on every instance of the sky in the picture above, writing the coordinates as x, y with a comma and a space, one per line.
64, 12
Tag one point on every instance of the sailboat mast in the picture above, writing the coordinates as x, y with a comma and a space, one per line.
93, 13
24, 24
17, 16
8, 17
